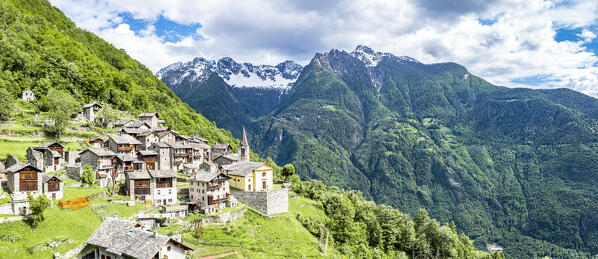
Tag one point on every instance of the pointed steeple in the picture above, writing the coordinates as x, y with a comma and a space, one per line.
244, 138
244, 147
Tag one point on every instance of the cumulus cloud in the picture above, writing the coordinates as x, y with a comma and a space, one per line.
516, 39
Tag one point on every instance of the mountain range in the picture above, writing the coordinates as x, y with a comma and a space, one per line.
513, 166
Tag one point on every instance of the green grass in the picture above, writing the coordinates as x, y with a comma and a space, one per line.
307, 210
76, 192
254, 236
121, 210
76, 225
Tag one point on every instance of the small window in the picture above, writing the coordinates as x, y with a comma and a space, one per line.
248, 180
168, 248
169, 191
169, 200
158, 191
264, 174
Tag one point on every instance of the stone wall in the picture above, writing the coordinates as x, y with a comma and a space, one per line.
224, 217
11, 160
278, 201
6, 209
74, 172
271, 202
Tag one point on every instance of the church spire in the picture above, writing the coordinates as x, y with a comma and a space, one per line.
244, 138
244, 147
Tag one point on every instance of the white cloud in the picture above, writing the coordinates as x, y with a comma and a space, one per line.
519, 44
587, 35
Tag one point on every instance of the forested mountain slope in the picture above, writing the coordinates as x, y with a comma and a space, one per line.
518, 167
41, 49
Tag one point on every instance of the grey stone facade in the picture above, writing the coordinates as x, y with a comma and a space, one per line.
74, 172
270, 202
11, 160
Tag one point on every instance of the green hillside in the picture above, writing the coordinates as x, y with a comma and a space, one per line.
516, 167
42, 50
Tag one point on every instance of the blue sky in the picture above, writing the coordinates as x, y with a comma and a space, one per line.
515, 43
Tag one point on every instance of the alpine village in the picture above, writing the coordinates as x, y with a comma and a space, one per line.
359, 154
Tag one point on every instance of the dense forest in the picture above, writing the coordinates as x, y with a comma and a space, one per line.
516, 167
41, 49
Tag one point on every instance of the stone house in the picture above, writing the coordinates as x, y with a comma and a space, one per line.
24, 179
226, 160
182, 154
97, 142
147, 138
90, 111
100, 160
118, 238
164, 151
151, 118
119, 124
150, 158
158, 186
182, 139
47, 157
209, 192
221, 149
250, 176
28, 95
134, 132
167, 136
123, 144
52, 187
201, 153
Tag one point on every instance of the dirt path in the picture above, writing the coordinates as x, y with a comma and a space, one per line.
218, 256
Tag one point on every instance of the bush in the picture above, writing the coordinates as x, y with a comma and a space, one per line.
88, 175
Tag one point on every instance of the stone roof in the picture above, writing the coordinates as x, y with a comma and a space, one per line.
148, 153
179, 145
162, 145
148, 114
163, 173
126, 157
122, 122
18, 167
198, 146
45, 145
46, 178
202, 177
91, 105
123, 237
183, 137
100, 151
139, 175
242, 168
124, 139
97, 138
55, 153
231, 157
220, 146
130, 130
138, 124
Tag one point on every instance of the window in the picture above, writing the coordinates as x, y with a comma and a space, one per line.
169, 191
248, 180
158, 191
264, 174
168, 248
169, 200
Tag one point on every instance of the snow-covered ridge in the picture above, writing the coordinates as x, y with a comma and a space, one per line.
371, 58
235, 74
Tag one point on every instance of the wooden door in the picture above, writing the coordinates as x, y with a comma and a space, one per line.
264, 185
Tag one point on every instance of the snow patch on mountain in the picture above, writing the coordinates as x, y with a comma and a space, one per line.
371, 58
235, 74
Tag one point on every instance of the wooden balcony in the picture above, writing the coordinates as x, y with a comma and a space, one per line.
123, 148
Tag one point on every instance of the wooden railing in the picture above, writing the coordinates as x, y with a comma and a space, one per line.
127, 148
